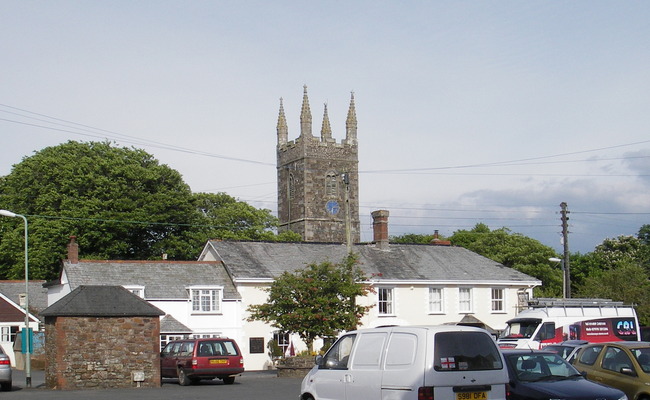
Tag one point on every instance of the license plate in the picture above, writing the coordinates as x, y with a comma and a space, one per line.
471, 396
225, 362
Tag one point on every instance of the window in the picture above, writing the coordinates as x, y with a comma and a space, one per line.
435, 300
385, 302
615, 359
136, 290
206, 300
164, 339
292, 186
282, 340
497, 300
338, 356
465, 300
8, 333
331, 184
465, 351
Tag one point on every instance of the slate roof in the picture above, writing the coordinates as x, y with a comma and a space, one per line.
170, 324
400, 262
161, 279
101, 301
37, 293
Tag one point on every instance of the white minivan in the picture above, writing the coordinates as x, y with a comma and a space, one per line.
445, 362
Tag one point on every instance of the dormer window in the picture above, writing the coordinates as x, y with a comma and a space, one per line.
206, 300
137, 290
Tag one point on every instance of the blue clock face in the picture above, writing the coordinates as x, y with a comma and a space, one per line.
332, 207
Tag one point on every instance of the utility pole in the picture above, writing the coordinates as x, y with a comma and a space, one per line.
348, 230
565, 242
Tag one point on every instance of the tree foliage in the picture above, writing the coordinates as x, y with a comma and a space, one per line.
317, 301
121, 203
515, 251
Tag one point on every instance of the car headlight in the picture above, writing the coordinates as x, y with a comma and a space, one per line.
624, 397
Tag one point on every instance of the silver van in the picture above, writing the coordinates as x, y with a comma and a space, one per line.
409, 363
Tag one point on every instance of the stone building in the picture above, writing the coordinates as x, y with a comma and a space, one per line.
101, 337
318, 179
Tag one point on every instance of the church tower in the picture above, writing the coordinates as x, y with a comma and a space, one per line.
318, 179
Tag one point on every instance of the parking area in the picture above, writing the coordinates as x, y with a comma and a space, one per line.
257, 385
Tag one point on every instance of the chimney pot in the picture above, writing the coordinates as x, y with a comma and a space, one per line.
73, 250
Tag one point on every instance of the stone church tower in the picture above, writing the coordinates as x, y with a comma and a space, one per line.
318, 179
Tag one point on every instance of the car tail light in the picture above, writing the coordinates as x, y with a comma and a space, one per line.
195, 363
507, 391
5, 361
425, 393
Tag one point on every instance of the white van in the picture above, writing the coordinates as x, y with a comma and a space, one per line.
409, 363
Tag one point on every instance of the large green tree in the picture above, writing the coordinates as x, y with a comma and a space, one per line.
515, 251
317, 301
121, 203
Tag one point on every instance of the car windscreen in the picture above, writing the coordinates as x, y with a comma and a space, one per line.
465, 351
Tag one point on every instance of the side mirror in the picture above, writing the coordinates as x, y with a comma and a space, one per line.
318, 360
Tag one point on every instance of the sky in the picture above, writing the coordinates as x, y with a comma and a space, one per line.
468, 112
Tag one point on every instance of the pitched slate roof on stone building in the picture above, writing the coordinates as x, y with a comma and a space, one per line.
399, 262
101, 301
161, 279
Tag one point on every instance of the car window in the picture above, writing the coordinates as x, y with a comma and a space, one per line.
535, 367
369, 347
615, 359
643, 357
338, 355
228, 348
186, 349
589, 355
465, 351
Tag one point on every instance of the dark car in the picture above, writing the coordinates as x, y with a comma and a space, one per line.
544, 375
192, 360
567, 349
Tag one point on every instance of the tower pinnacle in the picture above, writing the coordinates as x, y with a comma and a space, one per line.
305, 115
282, 129
326, 130
351, 123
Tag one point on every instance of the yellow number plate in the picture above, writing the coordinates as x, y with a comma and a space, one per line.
226, 362
471, 396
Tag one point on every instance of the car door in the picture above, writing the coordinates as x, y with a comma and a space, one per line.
612, 361
330, 381
168, 359
364, 375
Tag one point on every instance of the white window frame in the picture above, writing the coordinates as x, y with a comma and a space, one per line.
465, 303
386, 306
436, 302
137, 290
498, 303
209, 299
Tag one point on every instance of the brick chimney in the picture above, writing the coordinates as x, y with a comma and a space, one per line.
73, 250
380, 228
439, 242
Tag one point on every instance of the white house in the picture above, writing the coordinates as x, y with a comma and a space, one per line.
415, 284
198, 297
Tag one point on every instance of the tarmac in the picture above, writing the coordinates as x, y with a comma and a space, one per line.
250, 385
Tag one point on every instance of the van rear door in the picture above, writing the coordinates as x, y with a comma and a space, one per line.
404, 364
466, 365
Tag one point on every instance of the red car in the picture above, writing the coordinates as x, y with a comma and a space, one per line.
191, 360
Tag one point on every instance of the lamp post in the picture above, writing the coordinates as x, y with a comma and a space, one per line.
28, 350
564, 285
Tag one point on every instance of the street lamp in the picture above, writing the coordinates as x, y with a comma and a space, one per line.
561, 262
26, 343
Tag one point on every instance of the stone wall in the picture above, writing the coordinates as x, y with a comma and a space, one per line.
106, 352
295, 367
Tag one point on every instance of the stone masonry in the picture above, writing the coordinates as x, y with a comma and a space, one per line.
101, 352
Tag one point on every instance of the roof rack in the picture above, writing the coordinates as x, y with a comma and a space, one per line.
552, 302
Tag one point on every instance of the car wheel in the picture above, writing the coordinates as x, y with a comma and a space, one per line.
183, 380
229, 380
6, 386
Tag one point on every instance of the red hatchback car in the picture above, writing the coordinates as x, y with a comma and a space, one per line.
191, 360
